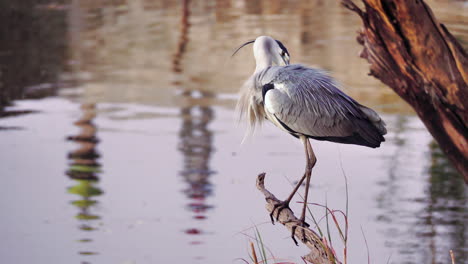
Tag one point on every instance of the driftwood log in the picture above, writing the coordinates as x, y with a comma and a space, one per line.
320, 253
424, 64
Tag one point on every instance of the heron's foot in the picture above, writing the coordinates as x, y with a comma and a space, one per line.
303, 225
279, 207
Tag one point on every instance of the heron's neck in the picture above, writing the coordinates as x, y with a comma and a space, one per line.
262, 62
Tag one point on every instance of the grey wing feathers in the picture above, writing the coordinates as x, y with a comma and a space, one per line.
307, 101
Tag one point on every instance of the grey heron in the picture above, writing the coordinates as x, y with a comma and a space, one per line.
306, 103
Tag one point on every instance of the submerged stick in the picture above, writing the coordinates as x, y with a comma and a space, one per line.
320, 252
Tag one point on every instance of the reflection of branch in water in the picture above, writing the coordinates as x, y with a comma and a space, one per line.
400, 140
84, 169
183, 38
430, 223
196, 145
446, 211
195, 137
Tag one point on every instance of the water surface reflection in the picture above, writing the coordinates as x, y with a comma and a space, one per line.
421, 200
196, 146
32, 50
195, 136
163, 70
84, 169
447, 212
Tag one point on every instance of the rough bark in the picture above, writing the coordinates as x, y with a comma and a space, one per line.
320, 252
423, 63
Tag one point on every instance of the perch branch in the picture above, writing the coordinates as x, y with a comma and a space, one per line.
320, 253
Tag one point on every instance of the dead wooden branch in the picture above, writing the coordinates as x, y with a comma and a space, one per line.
424, 64
320, 253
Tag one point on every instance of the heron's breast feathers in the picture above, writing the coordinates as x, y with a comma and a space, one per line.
250, 105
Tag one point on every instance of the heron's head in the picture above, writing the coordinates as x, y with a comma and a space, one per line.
268, 51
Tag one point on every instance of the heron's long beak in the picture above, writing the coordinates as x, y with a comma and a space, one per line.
247, 43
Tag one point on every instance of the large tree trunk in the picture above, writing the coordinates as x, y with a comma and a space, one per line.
424, 64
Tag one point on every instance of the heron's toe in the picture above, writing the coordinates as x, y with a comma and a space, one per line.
278, 207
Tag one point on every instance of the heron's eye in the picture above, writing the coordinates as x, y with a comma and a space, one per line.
283, 53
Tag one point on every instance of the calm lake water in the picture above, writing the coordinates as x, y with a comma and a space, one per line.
119, 142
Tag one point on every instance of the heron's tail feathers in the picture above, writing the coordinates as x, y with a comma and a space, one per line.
375, 119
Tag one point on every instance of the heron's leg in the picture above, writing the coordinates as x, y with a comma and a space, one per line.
310, 164
285, 203
311, 160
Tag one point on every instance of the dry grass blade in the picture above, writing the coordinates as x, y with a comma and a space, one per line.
261, 246
367, 246
254, 254
452, 256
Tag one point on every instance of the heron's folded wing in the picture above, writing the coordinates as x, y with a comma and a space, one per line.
304, 116
309, 102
